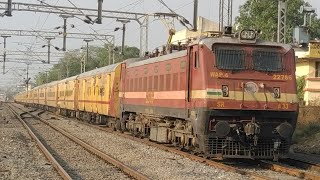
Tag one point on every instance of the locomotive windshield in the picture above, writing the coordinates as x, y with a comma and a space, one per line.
230, 59
269, 61
235, 59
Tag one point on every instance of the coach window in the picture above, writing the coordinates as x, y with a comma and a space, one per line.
102, 91
196, 60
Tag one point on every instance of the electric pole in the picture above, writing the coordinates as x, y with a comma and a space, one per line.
87, 60
8, 12
49, 47
124, 22
225, 14
282, 21
65, 17
99, 19
4, 51
195, 15
28, 79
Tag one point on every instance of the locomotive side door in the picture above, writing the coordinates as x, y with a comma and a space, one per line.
191, 52
194, 80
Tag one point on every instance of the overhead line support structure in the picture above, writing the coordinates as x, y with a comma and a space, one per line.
49, 47
65, 17
141, 18
282, 21
225, 14
4, 52
100, 37
110, 39
31, 54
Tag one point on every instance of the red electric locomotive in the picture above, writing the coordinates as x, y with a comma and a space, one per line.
230, 96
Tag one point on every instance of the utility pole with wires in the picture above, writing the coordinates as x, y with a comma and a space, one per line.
124, 22
65, 17
99, 19
49, 47
28, 79
84, 62
8, 12
195, 15
225, 14
5, 51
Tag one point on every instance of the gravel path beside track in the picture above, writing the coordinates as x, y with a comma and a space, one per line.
150, 161
78, 162
19, 156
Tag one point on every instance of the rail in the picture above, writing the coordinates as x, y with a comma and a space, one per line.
42, 148
128, 170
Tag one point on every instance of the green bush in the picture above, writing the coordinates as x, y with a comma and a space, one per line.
305, 131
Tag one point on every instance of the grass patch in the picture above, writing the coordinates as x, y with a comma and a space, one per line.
304, 132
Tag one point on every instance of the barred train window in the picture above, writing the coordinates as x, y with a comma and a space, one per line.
101, 91
269, 61
230, 59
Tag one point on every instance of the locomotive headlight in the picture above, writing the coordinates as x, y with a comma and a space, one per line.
225, 91
248, 35
276, 92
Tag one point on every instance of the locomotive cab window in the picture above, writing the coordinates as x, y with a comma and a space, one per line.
230, 59
268, 61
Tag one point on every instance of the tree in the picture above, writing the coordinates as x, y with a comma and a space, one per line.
301, 83
70, 65
263, 15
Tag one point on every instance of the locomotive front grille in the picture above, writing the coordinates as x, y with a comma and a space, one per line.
235, 149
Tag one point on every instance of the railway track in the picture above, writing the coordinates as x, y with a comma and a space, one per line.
265, 164
71, 157
291, 169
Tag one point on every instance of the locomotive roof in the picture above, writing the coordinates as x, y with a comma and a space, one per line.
232, 40
158, 59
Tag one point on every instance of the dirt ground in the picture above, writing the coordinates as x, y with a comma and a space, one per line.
307, 134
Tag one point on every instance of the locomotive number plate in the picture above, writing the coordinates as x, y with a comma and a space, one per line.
220, 104
282, 77
284, 106
219, 75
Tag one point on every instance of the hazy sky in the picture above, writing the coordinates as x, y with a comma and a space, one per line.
39, 21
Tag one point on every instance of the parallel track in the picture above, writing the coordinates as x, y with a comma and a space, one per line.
43, 149
128, 170
293, 167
